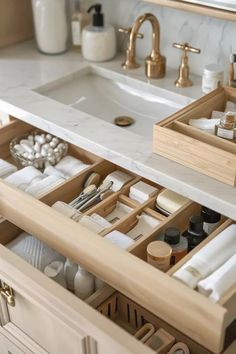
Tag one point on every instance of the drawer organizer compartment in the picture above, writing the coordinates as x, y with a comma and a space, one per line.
128, 272
175, 139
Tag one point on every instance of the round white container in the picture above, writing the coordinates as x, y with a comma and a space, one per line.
51, 27
98, 43
213, 77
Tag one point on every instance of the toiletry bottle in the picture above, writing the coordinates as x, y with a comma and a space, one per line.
98, 41
226, 129
211, 220
159, 254
80, 19
83, 283
209, 258
178, 243
70, 270
55, 271
195, 233
232, 71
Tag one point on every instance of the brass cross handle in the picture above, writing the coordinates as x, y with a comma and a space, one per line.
183, 78
186, 48
128, 31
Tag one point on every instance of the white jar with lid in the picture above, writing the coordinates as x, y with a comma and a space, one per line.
213, 77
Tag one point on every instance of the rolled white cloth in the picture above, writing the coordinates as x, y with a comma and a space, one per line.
6, 168
23, 178
219, 282
44, 186
34, 251
52, 171
70, 166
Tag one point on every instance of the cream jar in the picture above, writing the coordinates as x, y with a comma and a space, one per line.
213, 77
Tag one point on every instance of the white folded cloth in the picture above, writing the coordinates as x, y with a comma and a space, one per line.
25, 177
205, 124
52, 171
70, 166
119, 239
6, 168
119, 211
219, 282
34, 251
230, 106
94, 223
144, 226
119, 179
44, 186
142, 191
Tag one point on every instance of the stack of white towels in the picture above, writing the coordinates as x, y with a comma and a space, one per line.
36, 183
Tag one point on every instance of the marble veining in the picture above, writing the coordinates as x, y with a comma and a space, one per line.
215, 37
22, 69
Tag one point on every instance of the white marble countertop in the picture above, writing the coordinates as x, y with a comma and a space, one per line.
23, 69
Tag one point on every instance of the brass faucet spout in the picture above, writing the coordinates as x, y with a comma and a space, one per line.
155, 62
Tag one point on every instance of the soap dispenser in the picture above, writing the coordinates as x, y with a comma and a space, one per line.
98, 41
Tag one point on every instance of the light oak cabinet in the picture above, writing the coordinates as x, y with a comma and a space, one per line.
47, 318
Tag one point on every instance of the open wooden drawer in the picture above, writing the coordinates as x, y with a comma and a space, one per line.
171, 305
175, 139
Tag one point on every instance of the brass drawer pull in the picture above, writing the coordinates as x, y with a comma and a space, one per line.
7, 292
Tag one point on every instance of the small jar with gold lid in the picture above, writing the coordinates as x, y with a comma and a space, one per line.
226, 129
159, 255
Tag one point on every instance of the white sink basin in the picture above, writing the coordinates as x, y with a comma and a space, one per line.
106, 95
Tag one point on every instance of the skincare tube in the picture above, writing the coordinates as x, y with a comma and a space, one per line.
209, 258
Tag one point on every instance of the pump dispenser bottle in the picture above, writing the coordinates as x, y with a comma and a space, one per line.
98, 41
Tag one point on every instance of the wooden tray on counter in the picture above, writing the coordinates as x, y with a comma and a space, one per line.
213, 156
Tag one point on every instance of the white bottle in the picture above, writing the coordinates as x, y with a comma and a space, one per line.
51, 28
209, 258
83, 283
80, 19
98, 41
70, 270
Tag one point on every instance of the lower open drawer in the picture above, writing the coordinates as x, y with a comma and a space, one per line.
166, 302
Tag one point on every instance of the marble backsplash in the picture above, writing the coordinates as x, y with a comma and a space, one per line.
216, 38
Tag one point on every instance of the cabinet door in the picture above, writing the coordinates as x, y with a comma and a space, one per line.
10, 345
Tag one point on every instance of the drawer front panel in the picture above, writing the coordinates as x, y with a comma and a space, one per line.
78, 243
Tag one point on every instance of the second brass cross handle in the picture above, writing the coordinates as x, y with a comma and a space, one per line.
128, 31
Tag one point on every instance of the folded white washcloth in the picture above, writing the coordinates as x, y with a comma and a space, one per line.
70, 166
118, 212
119, 179
219, 282
25, 177
52, 171
34, 251
92, 223
44, 186
6, 169
144, 226
205, 124
119, 239
142, 191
